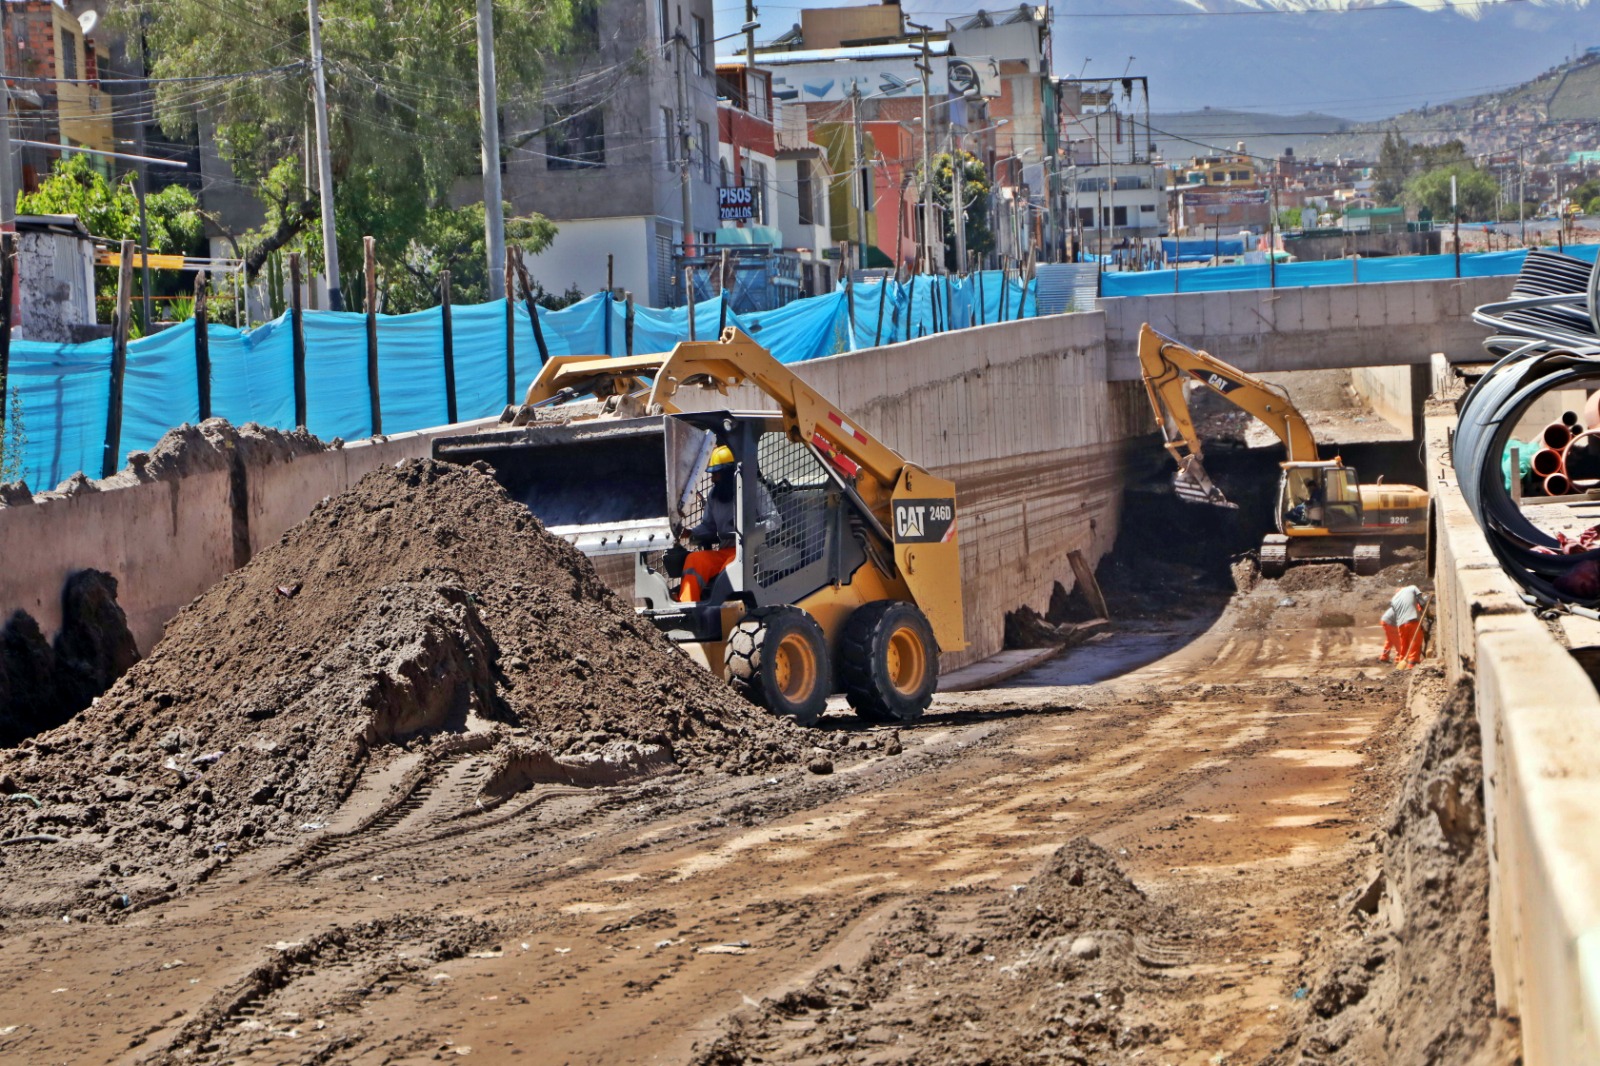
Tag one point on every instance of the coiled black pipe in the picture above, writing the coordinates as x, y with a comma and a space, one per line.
1488, 415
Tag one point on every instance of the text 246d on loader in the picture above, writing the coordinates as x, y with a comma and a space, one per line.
1323, 513
823, 561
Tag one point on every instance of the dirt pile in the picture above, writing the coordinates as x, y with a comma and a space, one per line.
1065, 969
43, 684
421, 605
1410, 980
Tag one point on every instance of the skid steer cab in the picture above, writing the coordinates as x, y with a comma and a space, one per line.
786, 550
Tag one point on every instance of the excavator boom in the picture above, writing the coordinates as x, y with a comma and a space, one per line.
1167, 367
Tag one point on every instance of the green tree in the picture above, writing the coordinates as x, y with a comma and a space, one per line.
402, 100
453, 239
1291, 218
974, 194
1395, 164
1476, 192
111, 210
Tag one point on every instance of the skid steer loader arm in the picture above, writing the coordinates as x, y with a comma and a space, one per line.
909, 509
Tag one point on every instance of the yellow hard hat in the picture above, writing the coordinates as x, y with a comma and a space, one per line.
721, 458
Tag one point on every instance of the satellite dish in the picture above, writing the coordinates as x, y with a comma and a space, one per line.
88, 21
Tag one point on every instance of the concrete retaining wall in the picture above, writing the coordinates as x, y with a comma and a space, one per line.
1540, 719
1395, 393
168, 541
1310, 328
1019, 415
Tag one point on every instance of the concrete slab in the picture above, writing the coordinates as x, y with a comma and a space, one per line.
1001, 666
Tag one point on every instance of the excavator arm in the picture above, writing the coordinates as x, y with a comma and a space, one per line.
1167, 366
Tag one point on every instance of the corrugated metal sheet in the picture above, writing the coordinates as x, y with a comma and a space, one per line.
1067, 287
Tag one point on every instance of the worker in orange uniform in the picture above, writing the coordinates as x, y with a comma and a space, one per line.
1400, 624
715, 533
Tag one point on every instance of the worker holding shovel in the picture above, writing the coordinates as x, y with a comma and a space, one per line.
1402, 624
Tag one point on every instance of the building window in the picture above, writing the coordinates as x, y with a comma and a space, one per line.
755, 176
1119, 216
69, 55
1086, 217
1219, 175
758, 85
669, 133
1240, 175
576, 137
584, 37
705, 148
722, 173
700, 42
802, 170
664, 17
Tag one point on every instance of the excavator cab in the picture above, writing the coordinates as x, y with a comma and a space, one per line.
1315, 499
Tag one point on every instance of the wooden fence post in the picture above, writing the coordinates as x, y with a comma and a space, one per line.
627, 325
511, 331
533, 307
8, 273
297, 331
688, 292
883, 298
119, 361
722, 291
850, 313
202, 345
448, 328
370, 248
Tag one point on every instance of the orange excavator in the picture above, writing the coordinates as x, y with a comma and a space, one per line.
1323, 512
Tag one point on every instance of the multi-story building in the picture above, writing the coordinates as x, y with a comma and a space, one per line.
1115, 185
1220, 192
623, 157
55, 66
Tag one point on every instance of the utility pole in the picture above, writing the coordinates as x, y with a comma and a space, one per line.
860, 182
330, 243
494, 211
8, 194
683, 155
957, 204
749, 49
926, 189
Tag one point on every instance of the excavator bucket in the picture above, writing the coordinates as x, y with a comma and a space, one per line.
1194, 485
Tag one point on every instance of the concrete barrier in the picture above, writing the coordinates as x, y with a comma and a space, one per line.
168, 541
1539, 715
1316, 328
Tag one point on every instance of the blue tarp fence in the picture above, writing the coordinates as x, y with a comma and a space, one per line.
65, 389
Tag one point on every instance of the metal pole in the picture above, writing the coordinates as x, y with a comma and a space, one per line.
749, 50
8, 192
144, 249
860, 182
926, 188
119, 361
447, 328
369, 247
330, 241
683, 155
494, 222
297, 335
957, 204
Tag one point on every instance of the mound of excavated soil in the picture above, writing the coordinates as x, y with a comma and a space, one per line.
1055, 971
422, 604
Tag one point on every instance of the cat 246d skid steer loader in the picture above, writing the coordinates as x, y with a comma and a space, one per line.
841, 569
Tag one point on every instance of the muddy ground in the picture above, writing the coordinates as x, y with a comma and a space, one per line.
1260, 846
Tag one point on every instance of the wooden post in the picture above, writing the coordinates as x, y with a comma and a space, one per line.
611, 277
119, 361
911, 300
607, 320
850, 311
297, 329
1005, 285
8, 273
883, 298
511, 331
370, 247
722, 291
688, 290
447, 328
202, 346
533, 306
949, 304
627, 325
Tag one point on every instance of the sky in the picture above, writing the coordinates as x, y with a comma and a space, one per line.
1360, 64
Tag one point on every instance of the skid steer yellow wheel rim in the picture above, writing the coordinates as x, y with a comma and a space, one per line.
794, 667
907, 661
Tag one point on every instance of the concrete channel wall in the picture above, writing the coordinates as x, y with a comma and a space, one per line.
1539, 715
1018, 414
1311, 328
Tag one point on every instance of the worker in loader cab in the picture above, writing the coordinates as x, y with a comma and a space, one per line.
714, 536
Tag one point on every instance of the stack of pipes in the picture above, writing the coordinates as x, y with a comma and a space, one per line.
1568, 455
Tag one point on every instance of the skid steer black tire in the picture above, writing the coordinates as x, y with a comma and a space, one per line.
776, 657
888, 662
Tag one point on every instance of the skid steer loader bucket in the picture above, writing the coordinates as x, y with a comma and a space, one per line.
601, 486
